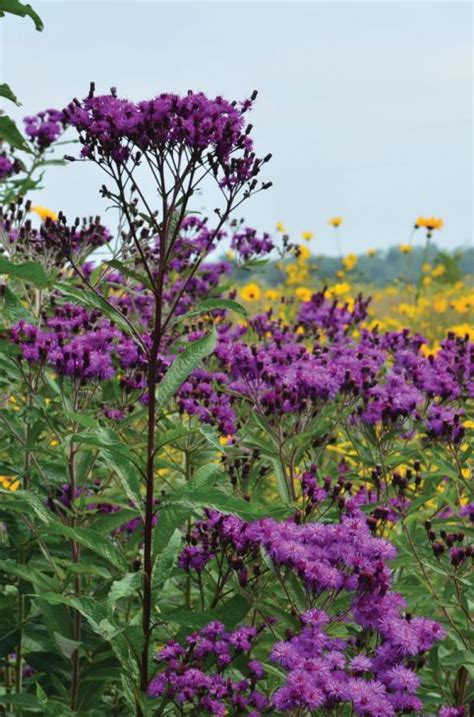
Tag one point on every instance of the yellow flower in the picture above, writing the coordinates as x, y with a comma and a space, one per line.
307, 236
406, 248
371, 252
54, 442
438, 270
408, 310
251, 292
440, 305
429, 223
427, 280
338, 290
303, 252
462, 305
469, 425
340, 274
335, 221
280, 227
272, 295
44, 212
349, 262
9, 483
225, 440
426, 268
462, 329
230, 254
296, 273
303, 294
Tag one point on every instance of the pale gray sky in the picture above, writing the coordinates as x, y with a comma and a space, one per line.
366, 106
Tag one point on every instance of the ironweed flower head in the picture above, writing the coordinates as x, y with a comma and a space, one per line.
212, 131
45, 127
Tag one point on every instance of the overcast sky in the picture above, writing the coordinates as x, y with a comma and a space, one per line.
366, 106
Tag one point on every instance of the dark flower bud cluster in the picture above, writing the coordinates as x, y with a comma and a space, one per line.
445, 422
450, 543
55, 241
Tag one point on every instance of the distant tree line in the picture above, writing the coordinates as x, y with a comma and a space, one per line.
383, 268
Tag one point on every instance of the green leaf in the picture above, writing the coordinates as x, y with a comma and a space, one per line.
183, 365
21, 499
10, 133
212, 305
91, 300
282, 483
28, 574
224, 502
98, 618
7, 92
211, 436
165, 563
130, 273
66, 646
14, 7
30, 271
230, 613
128, 476
174, 434
204, 478
12, 308
125, 587
93, 541
27, 701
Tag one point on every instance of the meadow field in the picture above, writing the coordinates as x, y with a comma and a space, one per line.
236, 475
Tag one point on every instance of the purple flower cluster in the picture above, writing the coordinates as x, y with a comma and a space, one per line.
45, 127
185, 676
110, 127
377, 676
341, 556
324, 671
8, 166
54, 241
202, 395
77, 343
248, 244
321, 314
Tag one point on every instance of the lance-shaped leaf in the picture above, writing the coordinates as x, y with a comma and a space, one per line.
30, 271
94, 541
15, 7
125, 587
183, 365
10, 133
7, 92
165, 563
213, 305
128, 476
173, 514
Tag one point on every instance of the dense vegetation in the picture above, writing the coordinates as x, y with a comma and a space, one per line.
220, 498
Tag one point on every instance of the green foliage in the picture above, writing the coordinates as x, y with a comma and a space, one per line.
14, 7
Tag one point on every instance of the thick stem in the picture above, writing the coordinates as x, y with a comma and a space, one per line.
76, 556
150, 498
